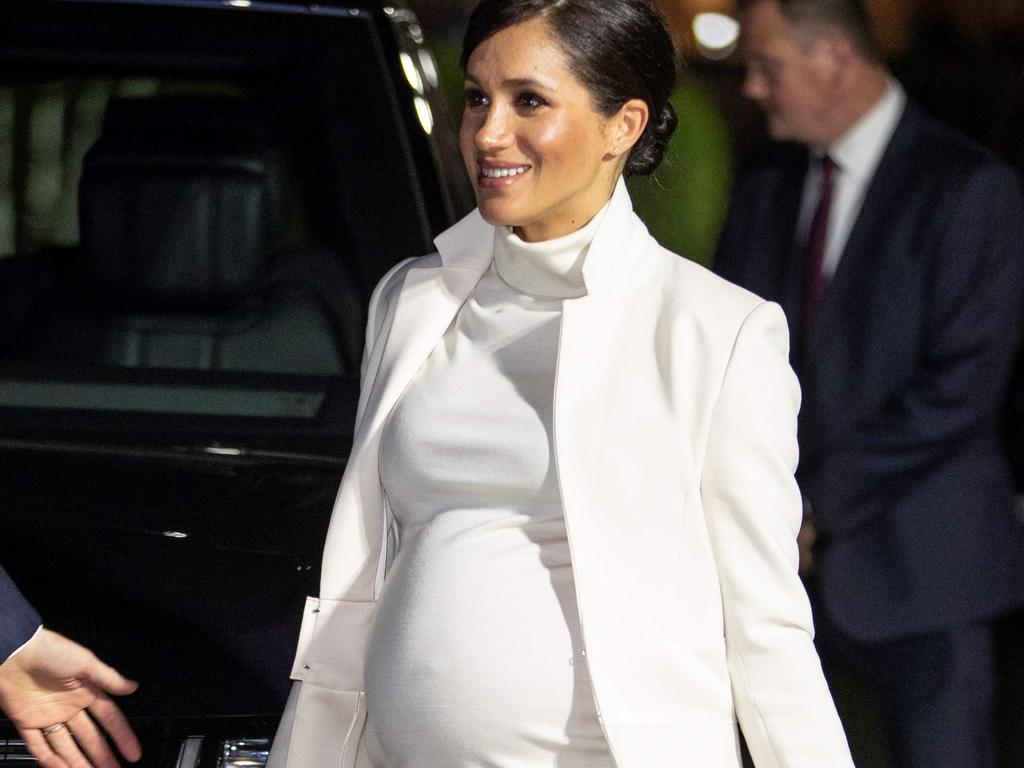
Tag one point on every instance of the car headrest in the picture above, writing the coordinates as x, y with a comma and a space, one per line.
175, 216
230, 117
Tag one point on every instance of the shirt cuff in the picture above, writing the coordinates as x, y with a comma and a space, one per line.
18, 650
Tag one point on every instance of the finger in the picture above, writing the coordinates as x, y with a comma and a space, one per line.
63, 743
810, 530
106, 677
91, 741
40, 749
112, 720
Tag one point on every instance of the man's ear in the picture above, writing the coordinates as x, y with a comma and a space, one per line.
841, 53
627, 126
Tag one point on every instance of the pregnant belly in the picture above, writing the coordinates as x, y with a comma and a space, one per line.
475, 651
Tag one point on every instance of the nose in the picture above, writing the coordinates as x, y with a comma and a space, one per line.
755, 87
495, 131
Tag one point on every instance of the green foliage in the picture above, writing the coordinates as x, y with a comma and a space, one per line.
683, 202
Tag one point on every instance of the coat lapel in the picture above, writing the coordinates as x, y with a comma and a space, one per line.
427, 302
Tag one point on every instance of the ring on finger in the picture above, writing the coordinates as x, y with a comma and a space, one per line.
55, 728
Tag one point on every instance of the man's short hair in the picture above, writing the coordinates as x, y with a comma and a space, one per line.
815, 16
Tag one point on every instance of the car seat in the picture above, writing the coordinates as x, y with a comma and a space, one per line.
177, 206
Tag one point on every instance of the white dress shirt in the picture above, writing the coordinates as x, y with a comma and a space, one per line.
856, 156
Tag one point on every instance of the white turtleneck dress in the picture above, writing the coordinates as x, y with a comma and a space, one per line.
475, 659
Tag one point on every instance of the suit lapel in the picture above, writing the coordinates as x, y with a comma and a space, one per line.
862, 247
837, 344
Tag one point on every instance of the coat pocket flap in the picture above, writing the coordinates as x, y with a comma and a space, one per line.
306, 631
332, 643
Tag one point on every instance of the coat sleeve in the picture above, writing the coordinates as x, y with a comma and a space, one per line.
18, 620
310, 722
753, 511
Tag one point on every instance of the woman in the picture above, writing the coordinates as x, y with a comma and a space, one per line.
566, 533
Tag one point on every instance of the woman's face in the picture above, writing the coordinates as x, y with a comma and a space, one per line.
541, 158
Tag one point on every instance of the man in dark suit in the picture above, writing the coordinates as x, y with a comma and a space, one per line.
56, 692
896, 248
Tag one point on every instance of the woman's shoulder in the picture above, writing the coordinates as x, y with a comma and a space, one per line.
696, 288
390, 284
722, 312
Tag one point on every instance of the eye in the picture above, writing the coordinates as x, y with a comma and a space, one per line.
530, 101
475, 98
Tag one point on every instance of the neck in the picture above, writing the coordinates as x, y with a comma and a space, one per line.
540, 232
565, 222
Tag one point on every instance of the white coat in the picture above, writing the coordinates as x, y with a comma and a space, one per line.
675, 443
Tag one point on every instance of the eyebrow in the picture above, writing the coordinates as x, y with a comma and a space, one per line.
519, 82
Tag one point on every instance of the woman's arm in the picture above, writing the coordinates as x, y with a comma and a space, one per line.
753, 510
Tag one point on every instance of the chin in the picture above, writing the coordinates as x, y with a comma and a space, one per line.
497, 215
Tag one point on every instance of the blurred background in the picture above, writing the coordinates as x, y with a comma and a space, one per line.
962, 60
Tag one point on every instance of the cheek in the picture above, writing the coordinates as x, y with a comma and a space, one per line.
806, 91
559, 141
467, 143
547, 137
782, 91
790, 100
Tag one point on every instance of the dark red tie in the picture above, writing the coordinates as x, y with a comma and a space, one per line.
814, 282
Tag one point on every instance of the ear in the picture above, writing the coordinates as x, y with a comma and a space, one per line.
626, 127
840, 53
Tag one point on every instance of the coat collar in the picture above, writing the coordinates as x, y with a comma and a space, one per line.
469, 243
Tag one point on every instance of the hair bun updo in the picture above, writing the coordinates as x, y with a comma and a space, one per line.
649, 150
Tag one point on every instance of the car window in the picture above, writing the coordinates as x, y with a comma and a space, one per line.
195, 204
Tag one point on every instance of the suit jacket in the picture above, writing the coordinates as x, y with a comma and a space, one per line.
674, 433
904, 372
18, 620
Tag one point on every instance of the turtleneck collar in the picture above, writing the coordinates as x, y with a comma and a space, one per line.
550, 269
617, 248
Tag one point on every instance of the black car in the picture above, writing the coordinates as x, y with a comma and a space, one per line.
196, 199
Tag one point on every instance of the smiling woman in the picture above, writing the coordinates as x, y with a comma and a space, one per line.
566, 536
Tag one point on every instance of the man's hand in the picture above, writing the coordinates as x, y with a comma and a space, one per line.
56, 693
